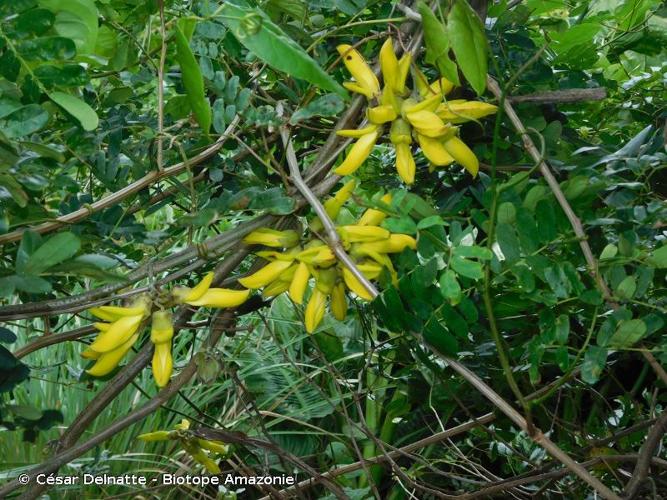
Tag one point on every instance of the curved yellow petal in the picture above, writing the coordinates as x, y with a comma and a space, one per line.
299, 283
373, 217
358, 89
389, 64
360, 150
359, 233
434, 151
201, 287
118, 334
381, 114
272, 238
405, 163
462, 154
356, 132
162, 364
265, 275
359, 69
461, 111
107, 361
355, 285
222, 298
315, 310
339, 302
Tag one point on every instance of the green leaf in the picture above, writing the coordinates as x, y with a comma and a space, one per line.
326, 105
628, 333
482, 253
594, 362
24, 411
193, 81
562, 329
35, 21
430, 221
404, 225
437, 44
449, 287
30, 242
609, 252
15, 189
76, 20
255, 30
24, 121
69, 75
27, 284
627, 288
77, 108
440, 338
53, 251
467, 268
273, 200
54, 48
508, 241
659, 258
466, 35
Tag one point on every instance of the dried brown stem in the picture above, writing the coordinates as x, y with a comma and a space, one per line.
648, 450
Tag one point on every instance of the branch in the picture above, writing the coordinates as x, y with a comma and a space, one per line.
56, 338
235, 437
553, 184
561, 96
534, 477
537, 435
648, 449
398, 453
129, 190
333, 240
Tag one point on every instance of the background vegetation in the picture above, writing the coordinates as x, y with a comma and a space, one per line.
109, 187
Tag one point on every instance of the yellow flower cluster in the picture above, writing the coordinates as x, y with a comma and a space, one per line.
291, 268
199, 449
423, 114
123, 327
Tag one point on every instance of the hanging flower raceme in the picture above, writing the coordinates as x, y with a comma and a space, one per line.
117, 335
422, 115
123, 326
292, 268
201, 450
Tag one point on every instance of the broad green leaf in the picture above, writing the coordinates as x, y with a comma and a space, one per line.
30, 242
659, 258
27, 284
8, 106
437, 44
193, 81
403, 224
508, 241
467, 268
326, 105
35, 21
16, 191
609, 252
562, 329
474, 251
68, 75
54, 48
76, 20
76, 107
594, 362
24, 121
440, 338
506, 213
53, 251
628, 333
430, 221
449, 287
24, 411
254, 29
627, 288
466, 35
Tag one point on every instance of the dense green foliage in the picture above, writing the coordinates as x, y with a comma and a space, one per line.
498, 280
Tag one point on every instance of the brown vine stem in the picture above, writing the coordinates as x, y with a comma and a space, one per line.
129, 190
398, 453
333, 240
572, 217
160, 90
648, 449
